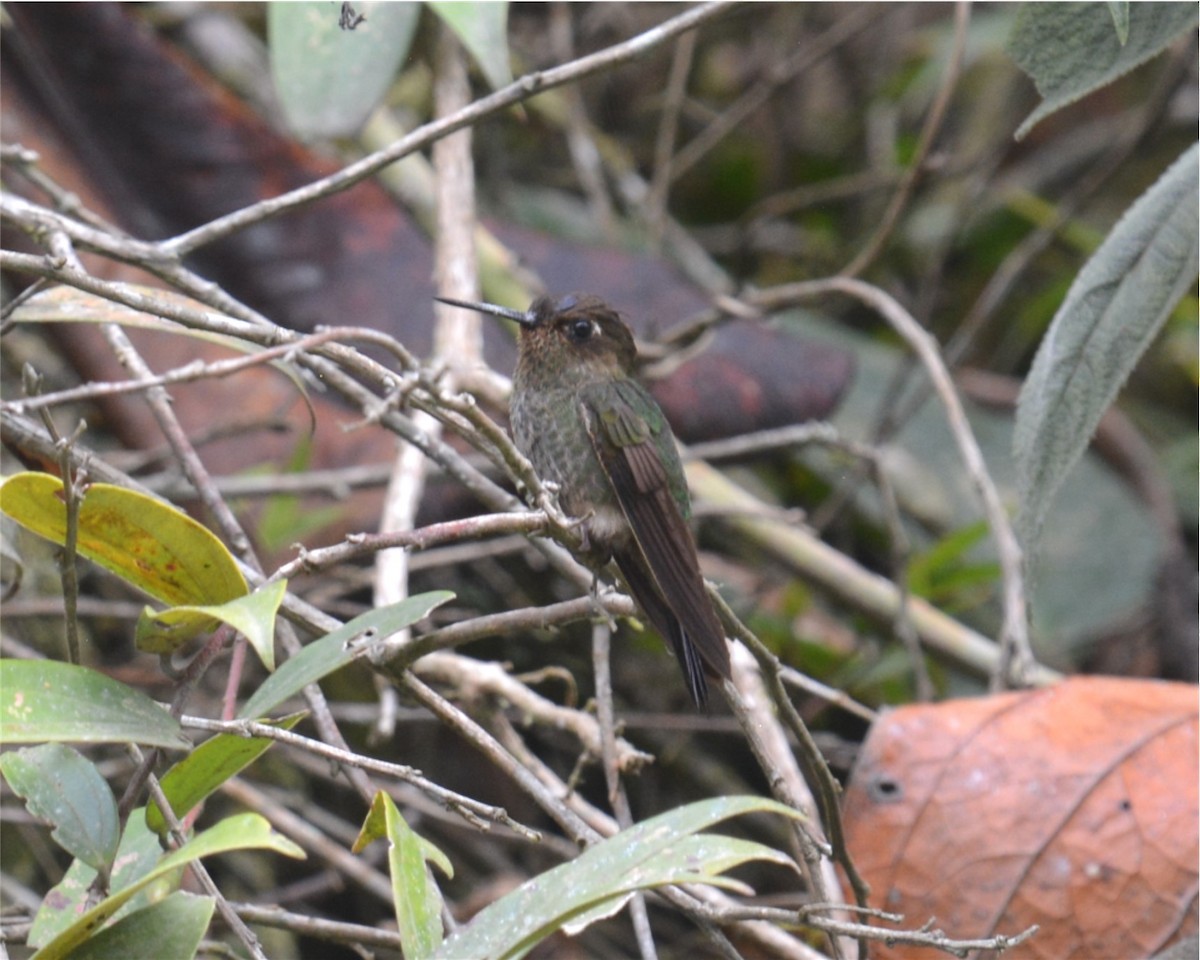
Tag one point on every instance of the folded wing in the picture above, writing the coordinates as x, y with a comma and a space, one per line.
663, 571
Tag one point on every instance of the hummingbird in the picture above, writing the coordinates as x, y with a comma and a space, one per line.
588, 426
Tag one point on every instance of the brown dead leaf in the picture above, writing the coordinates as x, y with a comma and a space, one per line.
1073, 808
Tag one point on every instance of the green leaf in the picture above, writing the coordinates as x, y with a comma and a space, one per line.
945, 575
329, 79
137, 855
1116, 305
1120, 15
216, 760
717, 853
417, 900
145, 541
654, 853
334, 651
170, 928
1071, 49
59, 785
253, 616
285, 517
246, 831
44, 700
483, 30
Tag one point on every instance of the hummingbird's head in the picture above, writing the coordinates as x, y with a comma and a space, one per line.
578, 336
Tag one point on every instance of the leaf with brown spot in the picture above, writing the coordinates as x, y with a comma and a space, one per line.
145, 541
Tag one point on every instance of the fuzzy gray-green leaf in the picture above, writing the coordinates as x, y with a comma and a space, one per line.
1072, 49
1111, 314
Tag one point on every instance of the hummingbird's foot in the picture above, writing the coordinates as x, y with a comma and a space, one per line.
595, 529
547, 502
580, 526
587, 551
547, 497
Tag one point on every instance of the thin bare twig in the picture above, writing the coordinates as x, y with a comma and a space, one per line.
752, 704
199, 370
668, 127
74, 480
457, 341
929, 132
617, 799
179, 837
476, 679
327, 363
452, 800
319, 928
580, 140
28, 164
522, 89
1016, 662
479, 738
805, 56
452, 531
825, 789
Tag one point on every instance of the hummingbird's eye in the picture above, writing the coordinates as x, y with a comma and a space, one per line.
580, 330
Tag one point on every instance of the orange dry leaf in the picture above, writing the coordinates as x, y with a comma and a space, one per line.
1073, 808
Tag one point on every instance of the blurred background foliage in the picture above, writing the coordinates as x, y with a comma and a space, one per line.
831, 99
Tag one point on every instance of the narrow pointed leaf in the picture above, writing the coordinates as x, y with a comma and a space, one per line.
483, 30
44, 700
145, 541
172, 927
246, 831
329, 79
1120, 16
253, 616
375, 827
68, 305
334, 651
1111, 314
417, 899
216, 760
285, 517
658, 851
64, 788
701, 858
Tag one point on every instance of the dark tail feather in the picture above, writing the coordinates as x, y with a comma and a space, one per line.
693, 668
645, 592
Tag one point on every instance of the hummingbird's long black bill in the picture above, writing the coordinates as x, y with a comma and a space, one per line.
522, 317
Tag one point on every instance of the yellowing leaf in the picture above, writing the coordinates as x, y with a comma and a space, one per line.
145, 541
